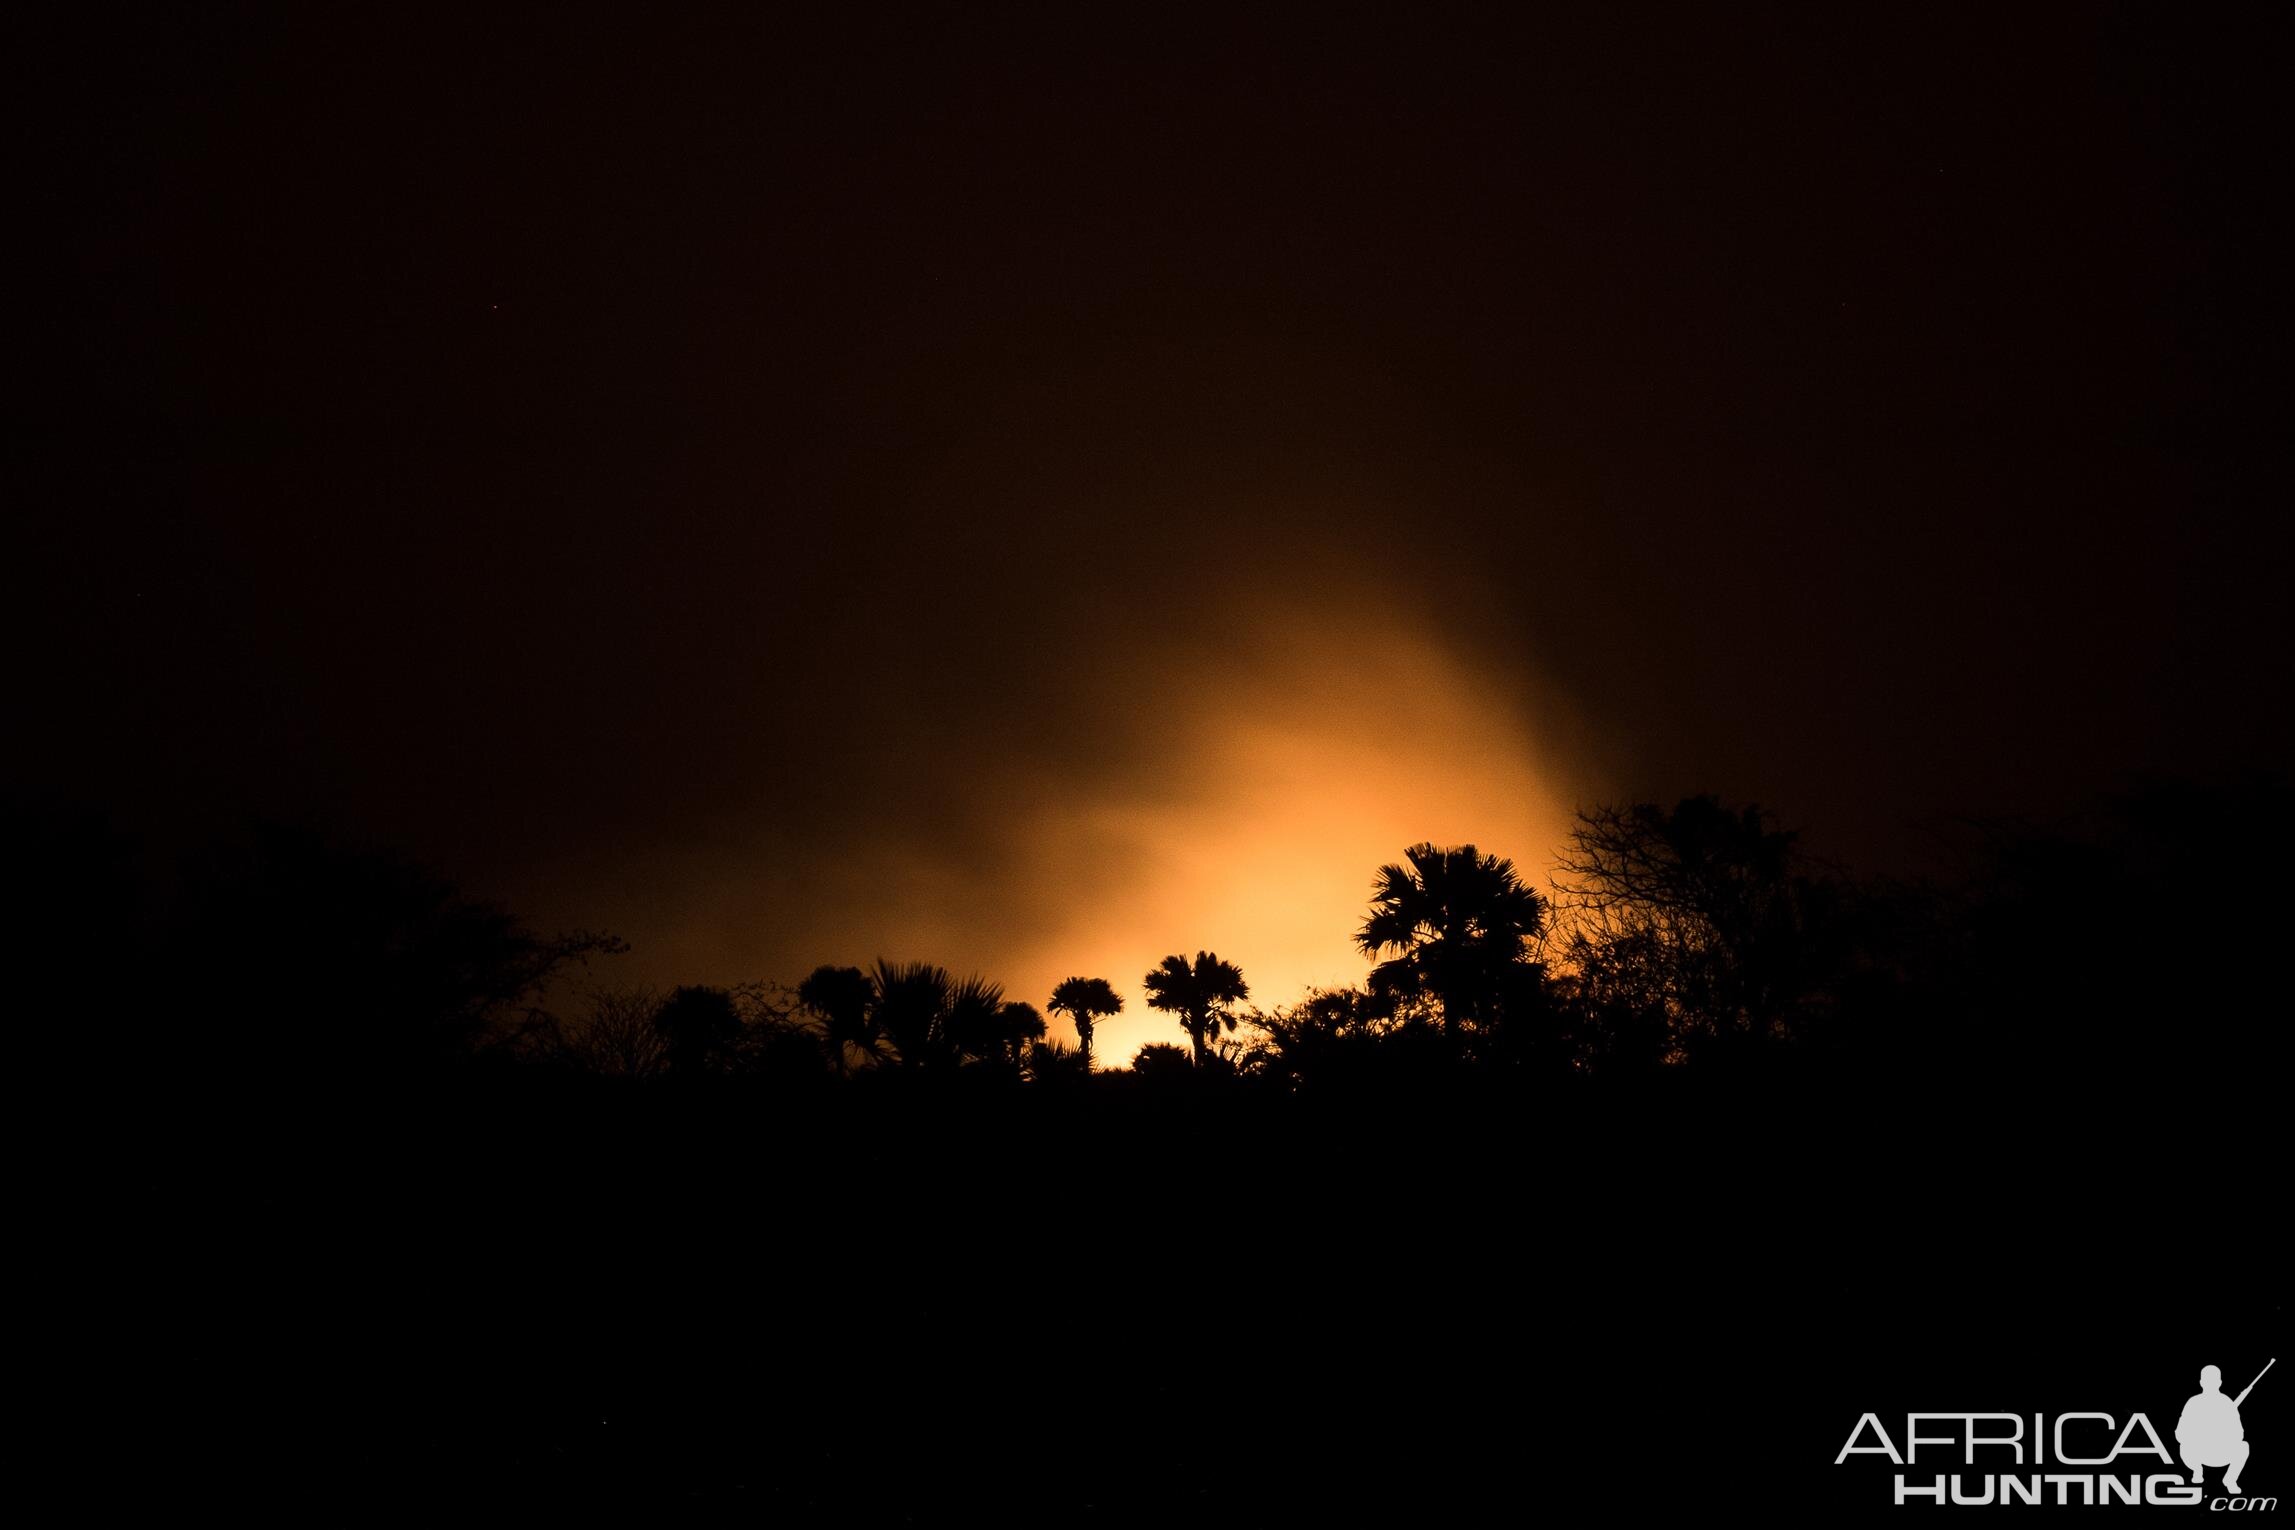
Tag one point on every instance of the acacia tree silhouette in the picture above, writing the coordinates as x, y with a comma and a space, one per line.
1456, 921
1697, 915
614, 1037
1086, 1002
1199, 993
374, 966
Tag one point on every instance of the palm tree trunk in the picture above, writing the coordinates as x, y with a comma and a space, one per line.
1195, 1031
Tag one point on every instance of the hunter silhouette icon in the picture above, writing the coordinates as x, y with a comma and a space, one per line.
2209, 1433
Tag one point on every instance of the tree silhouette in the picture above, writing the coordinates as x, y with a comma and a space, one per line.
929, 1016
1331, 1039
1696, 917
843, 1000
995, 1036
1199, 993
700, 1028
1086, 1002
1456, 922
615, 1036
370, 965
774, 1045
1018, 1026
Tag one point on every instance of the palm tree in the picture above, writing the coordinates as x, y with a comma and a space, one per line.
844, 1000
923, 1011
1086, 1001
1199, 993
1456, 922
999, 1037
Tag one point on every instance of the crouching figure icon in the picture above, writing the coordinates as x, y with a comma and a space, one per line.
2209, 1433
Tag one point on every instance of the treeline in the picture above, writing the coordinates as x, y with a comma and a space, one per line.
2132, 943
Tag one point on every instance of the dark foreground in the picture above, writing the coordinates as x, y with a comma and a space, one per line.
527, 1304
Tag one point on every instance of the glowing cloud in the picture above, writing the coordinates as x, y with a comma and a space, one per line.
1302, 770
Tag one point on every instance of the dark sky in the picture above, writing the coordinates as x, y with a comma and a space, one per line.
793, 490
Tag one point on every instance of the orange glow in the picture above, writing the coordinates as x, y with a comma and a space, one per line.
1315, 767
1233, 794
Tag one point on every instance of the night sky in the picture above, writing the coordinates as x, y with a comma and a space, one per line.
1037, 491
